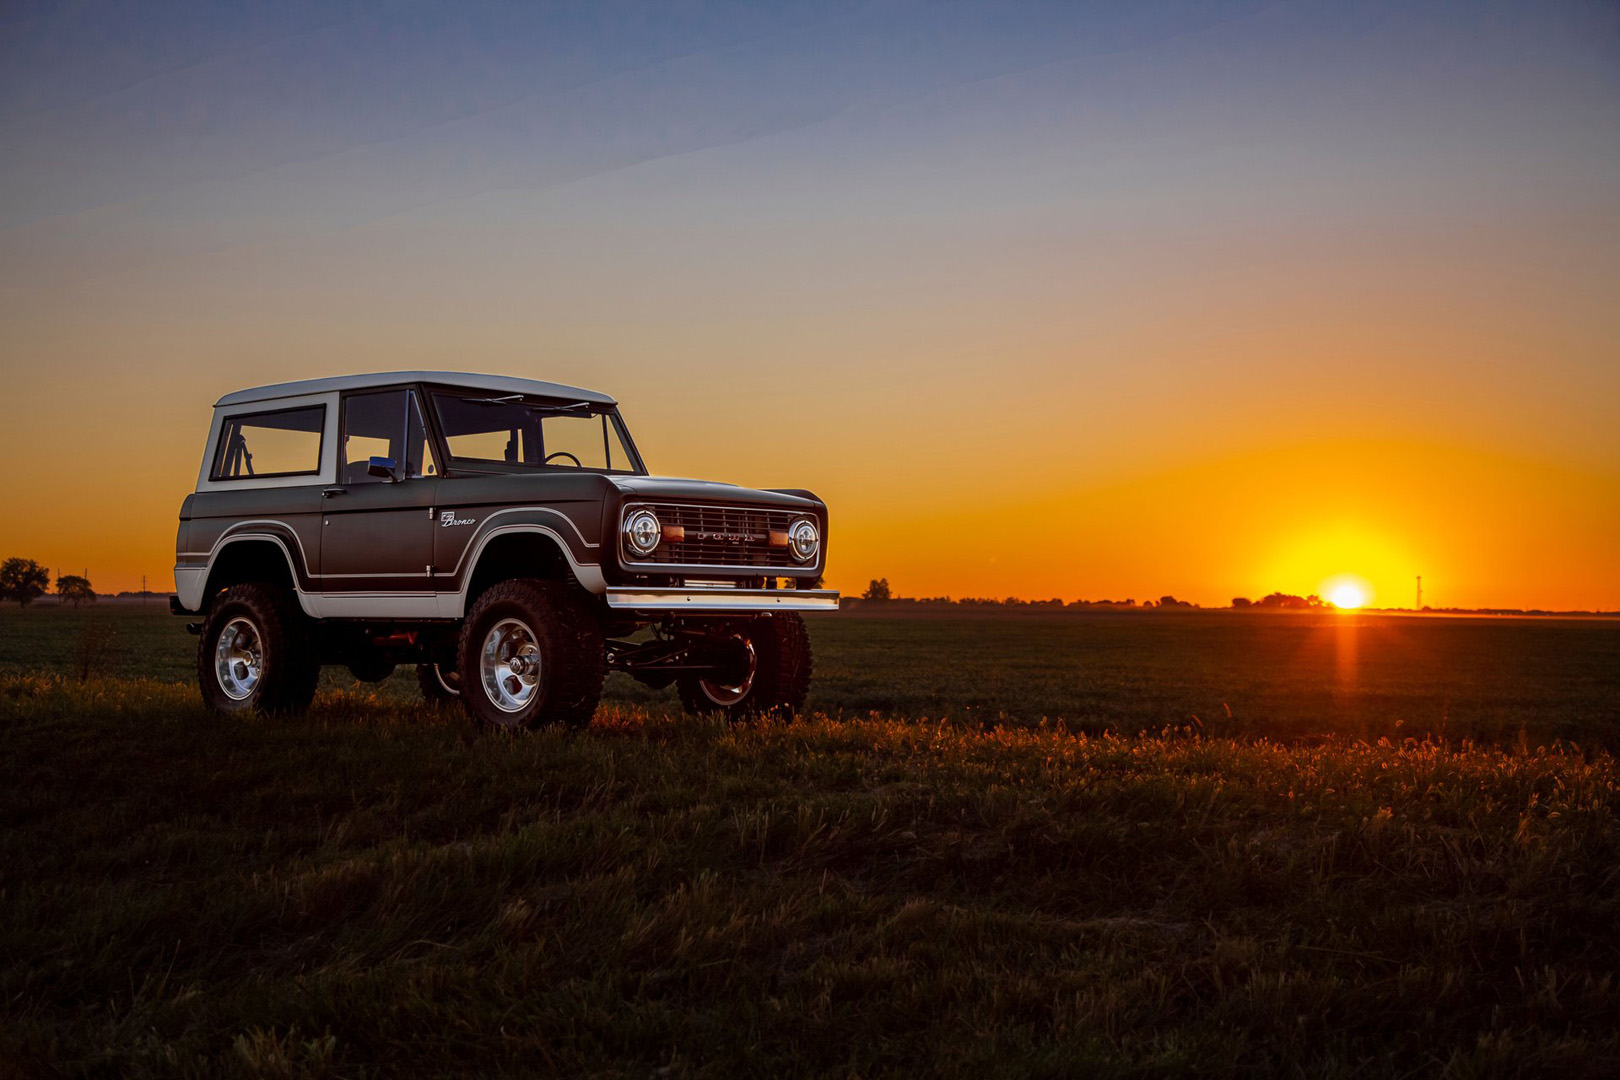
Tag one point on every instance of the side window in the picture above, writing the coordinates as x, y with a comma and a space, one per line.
373, 426
387, 425
286, 442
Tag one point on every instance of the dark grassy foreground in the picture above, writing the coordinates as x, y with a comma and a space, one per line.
376, 890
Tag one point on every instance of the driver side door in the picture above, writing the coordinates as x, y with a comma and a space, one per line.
377, 531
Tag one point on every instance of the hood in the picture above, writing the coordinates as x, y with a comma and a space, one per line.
677, 489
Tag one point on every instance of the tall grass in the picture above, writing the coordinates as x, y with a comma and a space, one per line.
379, 889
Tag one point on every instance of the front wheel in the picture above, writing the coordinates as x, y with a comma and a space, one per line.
764, 670
531, 653
253, 655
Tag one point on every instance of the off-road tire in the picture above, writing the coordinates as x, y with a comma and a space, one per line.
572, 654
434, 690
288, 668
781, 677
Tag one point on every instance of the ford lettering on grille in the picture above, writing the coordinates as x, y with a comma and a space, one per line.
722, 536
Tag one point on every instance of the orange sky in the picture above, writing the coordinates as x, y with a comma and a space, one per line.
1209, 313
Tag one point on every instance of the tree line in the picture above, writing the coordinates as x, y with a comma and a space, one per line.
881, 592
25, 581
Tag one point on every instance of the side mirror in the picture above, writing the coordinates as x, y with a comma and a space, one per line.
382, 467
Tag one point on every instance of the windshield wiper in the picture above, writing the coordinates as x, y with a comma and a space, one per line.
571, 408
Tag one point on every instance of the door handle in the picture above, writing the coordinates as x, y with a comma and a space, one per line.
333, 491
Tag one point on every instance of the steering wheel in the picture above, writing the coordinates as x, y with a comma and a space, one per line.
563, 453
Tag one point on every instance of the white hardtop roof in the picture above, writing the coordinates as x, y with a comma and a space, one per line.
502, 384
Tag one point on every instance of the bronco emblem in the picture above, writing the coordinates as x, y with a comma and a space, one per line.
448, 518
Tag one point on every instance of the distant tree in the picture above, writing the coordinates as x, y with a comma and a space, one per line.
1282, 600
23, 580
1170, 601
74, 589
1241, 602
878, 590
1314, 601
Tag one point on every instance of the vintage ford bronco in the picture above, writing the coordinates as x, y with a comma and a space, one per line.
501, 534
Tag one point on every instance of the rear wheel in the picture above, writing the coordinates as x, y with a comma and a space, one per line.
253, 654
531, 653
764, 670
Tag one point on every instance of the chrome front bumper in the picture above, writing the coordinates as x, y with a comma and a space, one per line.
722, 600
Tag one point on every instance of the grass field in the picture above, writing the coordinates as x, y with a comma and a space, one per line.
924, 878
1277, 675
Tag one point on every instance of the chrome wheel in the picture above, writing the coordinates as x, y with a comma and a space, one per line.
728, 692
509, 665
238, 658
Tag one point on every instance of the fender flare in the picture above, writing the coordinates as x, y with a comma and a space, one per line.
203, 581
589, 575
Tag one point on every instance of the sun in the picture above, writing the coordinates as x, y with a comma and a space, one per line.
1347, 592
1347, 597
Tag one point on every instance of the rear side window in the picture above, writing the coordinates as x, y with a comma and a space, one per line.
286, 442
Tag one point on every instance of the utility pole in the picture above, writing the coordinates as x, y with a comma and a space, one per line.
1420, 593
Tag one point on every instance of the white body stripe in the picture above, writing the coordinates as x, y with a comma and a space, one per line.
190, 581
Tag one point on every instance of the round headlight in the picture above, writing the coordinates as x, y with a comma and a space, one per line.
803, 540
642, 531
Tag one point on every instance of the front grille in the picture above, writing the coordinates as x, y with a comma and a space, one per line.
721, 536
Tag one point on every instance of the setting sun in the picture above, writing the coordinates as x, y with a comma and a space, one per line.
1347, 596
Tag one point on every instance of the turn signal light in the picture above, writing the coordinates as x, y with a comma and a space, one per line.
674, 534
779, 538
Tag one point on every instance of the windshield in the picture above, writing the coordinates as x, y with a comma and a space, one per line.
534, 432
